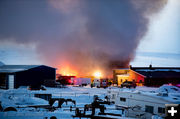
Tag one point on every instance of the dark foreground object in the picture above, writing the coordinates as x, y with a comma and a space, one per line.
96, 104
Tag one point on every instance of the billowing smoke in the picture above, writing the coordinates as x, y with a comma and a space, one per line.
85, 35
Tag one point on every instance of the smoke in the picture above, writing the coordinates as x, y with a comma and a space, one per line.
85, 35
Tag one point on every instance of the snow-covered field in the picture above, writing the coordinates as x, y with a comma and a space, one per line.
23, 97
82, 95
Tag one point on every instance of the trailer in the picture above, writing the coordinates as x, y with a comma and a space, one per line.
81, 81
142, 104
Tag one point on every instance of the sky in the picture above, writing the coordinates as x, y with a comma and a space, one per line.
90, 33
160, 45
164, 30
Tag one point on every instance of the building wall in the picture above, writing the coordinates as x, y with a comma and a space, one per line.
3, 80
121, 75
157, 78
35, 76
138, 78
119, 79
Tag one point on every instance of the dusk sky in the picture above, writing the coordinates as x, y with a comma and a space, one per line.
91, 33
161, 42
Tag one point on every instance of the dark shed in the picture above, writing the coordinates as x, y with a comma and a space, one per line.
13, 76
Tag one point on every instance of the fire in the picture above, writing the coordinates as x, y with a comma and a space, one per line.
67, 70
97, 74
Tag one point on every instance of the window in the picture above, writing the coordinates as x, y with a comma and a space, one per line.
149, 109
122, 99
161, 110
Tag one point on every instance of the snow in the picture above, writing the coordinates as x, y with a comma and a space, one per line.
82, 95
154, 70
165, 92
169, 89
18, 97
22, 97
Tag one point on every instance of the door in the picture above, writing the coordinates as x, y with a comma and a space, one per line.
11, 81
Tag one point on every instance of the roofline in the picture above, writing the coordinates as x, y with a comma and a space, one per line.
35, 66
155, 68
138, 73
121, 69
48, 66
129, 69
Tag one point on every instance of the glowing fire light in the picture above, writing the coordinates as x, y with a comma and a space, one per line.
97, 74
67, 70
68, 73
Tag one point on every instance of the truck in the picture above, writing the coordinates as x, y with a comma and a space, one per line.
81, 81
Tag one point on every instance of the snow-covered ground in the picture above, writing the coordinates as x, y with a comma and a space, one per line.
82, 95
23, 97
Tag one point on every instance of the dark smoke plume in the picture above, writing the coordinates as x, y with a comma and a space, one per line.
83, 34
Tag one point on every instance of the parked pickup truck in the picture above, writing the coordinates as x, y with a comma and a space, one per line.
128, 84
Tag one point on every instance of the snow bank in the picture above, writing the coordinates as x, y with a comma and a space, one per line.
82, 96
19, 97
169, 89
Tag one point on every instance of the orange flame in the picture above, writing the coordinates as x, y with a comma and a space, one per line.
67, 70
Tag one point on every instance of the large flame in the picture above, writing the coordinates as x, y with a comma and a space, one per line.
67, 70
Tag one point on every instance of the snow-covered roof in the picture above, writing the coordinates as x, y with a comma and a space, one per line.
152, 69
147, 70
125, 75
158, 72
16, 68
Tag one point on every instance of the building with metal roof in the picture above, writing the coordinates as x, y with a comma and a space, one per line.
157, 76
13, 76
15, 68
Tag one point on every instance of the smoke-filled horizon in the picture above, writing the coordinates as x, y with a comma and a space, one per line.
79, 36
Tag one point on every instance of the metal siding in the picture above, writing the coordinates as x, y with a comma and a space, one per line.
35, 76
10, 81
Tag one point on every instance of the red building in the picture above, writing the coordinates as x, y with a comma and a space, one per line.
126, 74
157, 76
